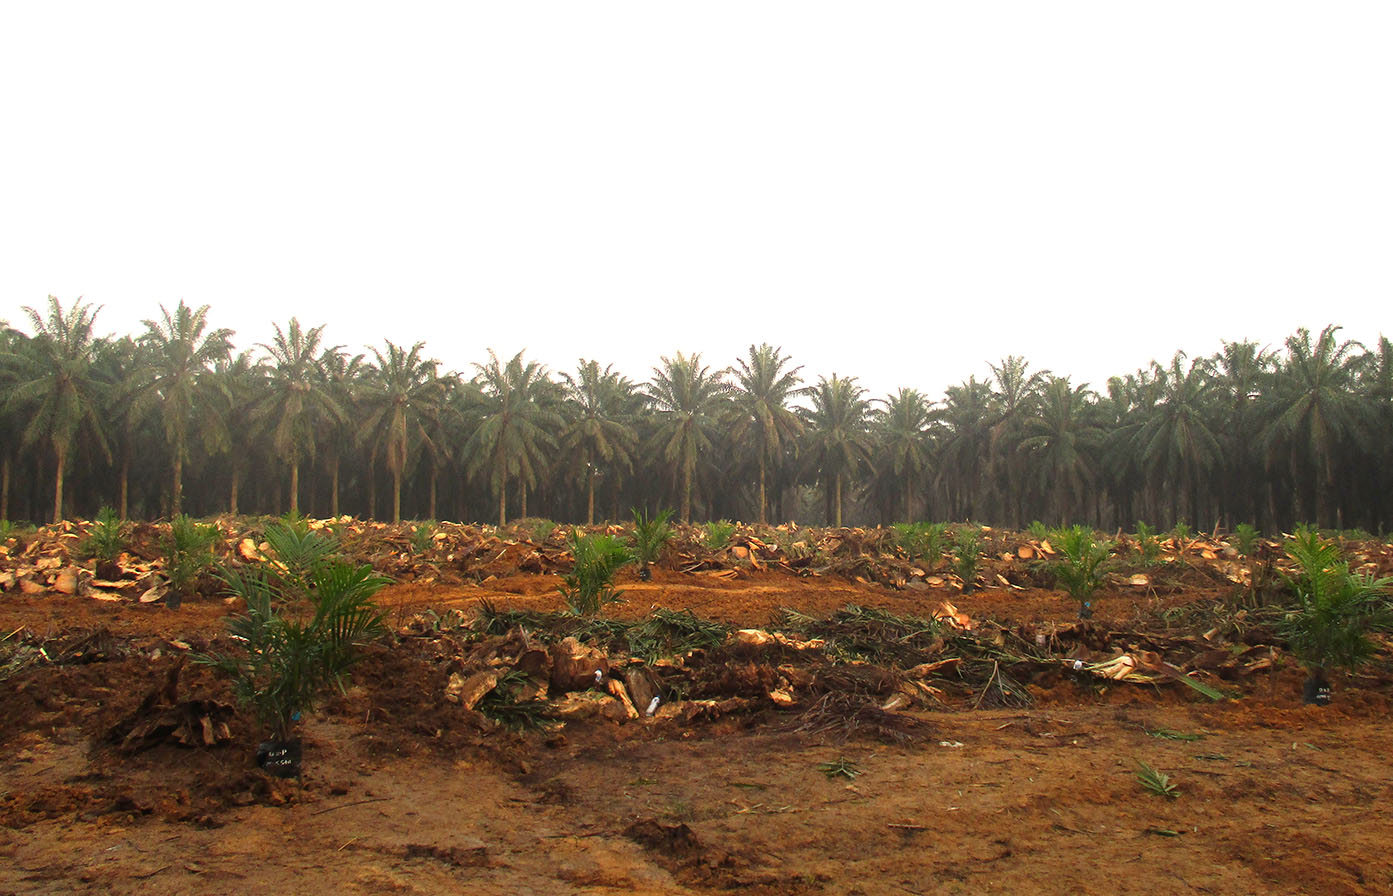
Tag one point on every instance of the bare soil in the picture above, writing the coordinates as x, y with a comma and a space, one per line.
405, 792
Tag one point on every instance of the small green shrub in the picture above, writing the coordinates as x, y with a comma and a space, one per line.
1181, 531
107, 537
1038, 531
589, 584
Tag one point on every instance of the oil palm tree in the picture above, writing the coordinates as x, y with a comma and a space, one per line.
343, 376
1242, 370
689, 400
180, 352
965, 422
516, 422
296, 399
1176, 446
241, 379
1015, 393
838, 441
902, 444
598, 434
1059, 445
402, 395
1316, 408
55, 389
764, 385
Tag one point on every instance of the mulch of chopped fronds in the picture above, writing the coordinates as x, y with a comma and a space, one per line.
993, 684
856, 633
672, 633
503, 705
663, 633
843, 715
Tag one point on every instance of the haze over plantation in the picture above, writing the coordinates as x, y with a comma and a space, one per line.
179, 418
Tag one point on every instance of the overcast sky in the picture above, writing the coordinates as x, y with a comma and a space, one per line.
896, 191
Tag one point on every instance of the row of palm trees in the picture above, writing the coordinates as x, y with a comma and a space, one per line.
175, 419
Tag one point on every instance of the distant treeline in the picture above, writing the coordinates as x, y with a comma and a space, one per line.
175, 419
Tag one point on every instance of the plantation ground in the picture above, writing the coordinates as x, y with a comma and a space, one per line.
407, 793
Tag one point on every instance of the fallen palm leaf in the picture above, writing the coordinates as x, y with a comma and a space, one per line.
1156, 781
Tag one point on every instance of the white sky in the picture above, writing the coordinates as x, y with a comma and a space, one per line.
897, 191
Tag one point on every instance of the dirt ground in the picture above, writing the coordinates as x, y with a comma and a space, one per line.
404, 793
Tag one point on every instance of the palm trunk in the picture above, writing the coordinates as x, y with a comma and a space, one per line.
838, 502
372, 489
124, 486
178, 480
334, 486
434, 475
5, 488
294, 487
763, 507
62, 455
232, 496
590, 501
396, 496
522, 501
686, 496
503, 503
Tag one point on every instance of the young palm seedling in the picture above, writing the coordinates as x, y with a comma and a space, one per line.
107, 538
589, 584
651, 535
967, 556
188, 555
1147, 544
717, 535
1335, 610
288, 656
1079, 569
298, 551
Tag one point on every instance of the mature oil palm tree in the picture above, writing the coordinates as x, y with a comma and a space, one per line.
902, 444
1176, 445
296, 399
123, 366
402, 395
1316, 408
1242, 371
1376, 387
514, 434
343, 376
1015, 393
764, 385
598, 437
689, 400
838, 440
964, 443
11, 342
180, 352
241, 380
1059, 445
55, 387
